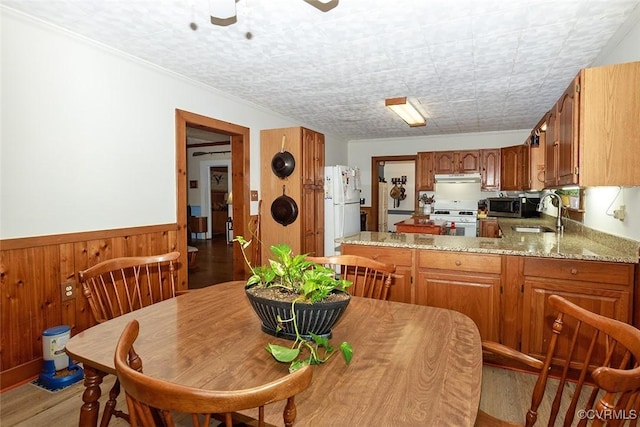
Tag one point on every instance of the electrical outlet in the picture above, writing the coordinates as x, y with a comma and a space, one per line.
254, 195
68, 290
619, 213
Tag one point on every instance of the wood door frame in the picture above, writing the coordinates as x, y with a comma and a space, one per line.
240, 181
375, 164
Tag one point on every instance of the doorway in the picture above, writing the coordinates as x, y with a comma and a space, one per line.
213, 262
376, 164
240, 180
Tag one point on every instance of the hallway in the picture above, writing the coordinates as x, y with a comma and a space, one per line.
214, 262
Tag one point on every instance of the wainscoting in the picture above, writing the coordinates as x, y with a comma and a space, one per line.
33, 271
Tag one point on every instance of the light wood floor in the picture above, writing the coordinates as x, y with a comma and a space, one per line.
28, 405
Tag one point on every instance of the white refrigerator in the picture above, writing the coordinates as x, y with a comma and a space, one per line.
341, 205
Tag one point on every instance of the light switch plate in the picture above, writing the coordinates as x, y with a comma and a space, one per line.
254, 195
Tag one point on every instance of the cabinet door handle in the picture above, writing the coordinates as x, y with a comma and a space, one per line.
458, 263
574, 271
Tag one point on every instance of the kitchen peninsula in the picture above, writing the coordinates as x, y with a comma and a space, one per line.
503, 283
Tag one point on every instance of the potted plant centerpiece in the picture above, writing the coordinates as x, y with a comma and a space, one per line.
298, 300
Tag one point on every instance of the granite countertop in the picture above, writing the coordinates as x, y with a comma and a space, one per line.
573, 243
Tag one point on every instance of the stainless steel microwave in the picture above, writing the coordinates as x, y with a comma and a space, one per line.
513, 207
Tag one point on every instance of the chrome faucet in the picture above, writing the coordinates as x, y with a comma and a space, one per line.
559, 219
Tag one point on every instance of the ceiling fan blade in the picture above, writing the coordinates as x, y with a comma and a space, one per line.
223, 12
323, 5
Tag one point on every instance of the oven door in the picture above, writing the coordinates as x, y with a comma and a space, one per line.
466, 229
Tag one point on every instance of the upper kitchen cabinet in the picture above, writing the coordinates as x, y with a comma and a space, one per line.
292, 190
592, 131
490, 173
562, 139
424, 172
514, 168
446, 162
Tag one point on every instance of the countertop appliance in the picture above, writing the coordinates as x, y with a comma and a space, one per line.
341, 205
513, 207
464, 213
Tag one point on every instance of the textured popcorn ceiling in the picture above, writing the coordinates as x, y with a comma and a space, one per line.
470, 65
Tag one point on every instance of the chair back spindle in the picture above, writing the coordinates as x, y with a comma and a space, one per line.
122, 285
370, 278
597, 361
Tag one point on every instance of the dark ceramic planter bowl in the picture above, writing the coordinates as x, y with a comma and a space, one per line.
317, 318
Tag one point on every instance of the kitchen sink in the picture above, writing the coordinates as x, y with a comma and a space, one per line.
533, 229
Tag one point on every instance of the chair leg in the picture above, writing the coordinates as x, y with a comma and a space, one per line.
110, 407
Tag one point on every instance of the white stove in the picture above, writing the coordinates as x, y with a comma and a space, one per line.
464, 213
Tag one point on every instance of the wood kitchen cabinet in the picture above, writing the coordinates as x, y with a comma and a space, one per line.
514, 168
305, 186
490, 169
562, 139
464, 282
447, 162
312, 212
402, 258
489, 227
592, 129
424, 172
600, 287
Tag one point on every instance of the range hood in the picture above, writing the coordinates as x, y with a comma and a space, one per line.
458, 177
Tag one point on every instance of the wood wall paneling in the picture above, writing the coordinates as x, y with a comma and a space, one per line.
32, 271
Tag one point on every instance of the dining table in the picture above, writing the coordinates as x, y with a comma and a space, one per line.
412, 365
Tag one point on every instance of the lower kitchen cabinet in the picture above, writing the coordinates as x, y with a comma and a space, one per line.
400, 257
489, 227
507, 296
600, 287
464, 282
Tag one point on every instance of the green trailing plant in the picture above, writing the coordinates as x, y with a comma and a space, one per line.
309, 283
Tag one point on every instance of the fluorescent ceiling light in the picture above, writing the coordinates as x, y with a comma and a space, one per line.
406, 111
223, 12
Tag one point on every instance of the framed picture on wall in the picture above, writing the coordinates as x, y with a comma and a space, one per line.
193, 184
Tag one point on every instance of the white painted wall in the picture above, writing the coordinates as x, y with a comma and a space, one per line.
600, 202
88, 133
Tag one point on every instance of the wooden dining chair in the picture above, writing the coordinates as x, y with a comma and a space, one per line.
122, 285
597, 355
153, 401
370, 278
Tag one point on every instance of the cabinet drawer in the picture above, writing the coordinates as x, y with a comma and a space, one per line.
386, 255
586, 271
481, 263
